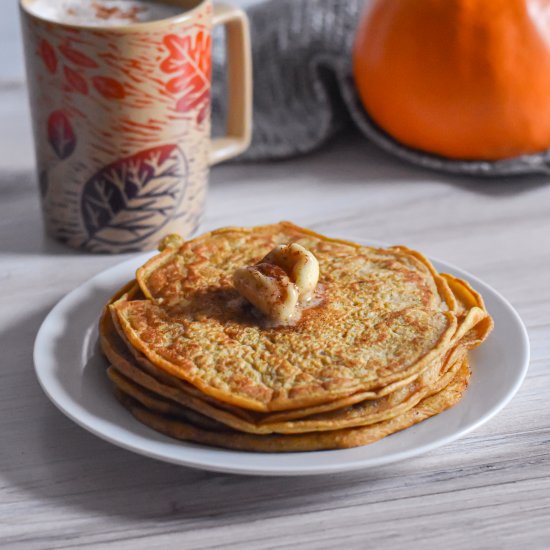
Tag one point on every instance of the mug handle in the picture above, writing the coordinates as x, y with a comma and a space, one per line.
239, 69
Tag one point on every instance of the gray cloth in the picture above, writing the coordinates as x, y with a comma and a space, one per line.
304, 92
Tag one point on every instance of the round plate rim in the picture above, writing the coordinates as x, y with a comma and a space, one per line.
67, 408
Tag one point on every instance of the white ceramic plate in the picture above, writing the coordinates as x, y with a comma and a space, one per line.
71, 371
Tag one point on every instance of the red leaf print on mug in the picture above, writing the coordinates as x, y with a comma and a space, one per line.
47, 53
108, 87
201, 115
189, 102
75, 80
61, 135
189, 60
78, 58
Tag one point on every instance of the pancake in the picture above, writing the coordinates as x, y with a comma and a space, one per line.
337, 439
382, 345
471, 332
156, 404
386, 316
361, 414
112, 332
134, 365
123, 361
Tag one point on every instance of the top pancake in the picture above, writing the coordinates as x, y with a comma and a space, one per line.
385, 315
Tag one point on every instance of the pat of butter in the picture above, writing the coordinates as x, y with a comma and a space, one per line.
281, 283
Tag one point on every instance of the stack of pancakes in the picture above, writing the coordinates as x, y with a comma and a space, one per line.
384, 348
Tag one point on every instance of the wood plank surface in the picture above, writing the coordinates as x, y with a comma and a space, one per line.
61, 487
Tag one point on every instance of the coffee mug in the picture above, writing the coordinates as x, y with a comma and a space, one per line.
121, 122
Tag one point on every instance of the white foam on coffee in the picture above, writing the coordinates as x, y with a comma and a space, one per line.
102, 13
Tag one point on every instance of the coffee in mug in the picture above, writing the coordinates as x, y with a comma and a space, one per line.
120, 103
101, 13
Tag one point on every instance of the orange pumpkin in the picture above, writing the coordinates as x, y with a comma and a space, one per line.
466, 79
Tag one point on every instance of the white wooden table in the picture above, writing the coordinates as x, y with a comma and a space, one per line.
61, 487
